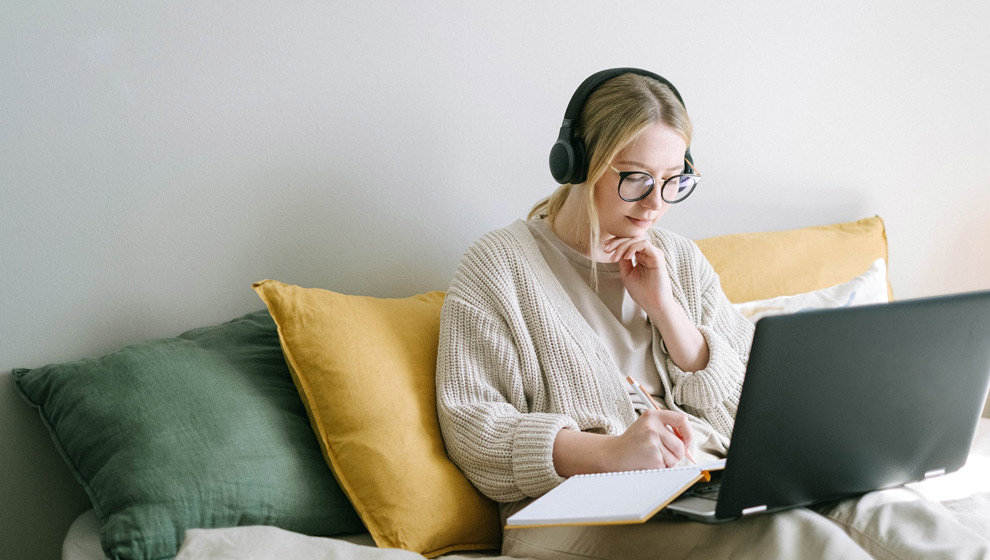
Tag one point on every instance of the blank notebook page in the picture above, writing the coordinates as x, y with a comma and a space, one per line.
620, 497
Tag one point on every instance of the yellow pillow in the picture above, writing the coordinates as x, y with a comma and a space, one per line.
365, 369
754, 266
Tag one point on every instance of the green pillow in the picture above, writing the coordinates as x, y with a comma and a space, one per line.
198, 431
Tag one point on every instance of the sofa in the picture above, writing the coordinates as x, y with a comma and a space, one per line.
308, 428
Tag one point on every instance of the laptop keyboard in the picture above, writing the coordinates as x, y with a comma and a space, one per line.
708, 491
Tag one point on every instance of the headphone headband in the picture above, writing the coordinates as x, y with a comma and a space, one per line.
568, 160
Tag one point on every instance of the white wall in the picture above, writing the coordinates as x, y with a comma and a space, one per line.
156, 158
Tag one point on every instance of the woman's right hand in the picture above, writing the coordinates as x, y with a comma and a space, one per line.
647, 444
652, 441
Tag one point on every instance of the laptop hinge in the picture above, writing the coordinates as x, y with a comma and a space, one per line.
754, 509
934, 473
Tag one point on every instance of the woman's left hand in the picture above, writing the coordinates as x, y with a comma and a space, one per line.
647, 280
649, 284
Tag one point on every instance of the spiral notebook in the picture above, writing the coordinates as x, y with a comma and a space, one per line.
610, 498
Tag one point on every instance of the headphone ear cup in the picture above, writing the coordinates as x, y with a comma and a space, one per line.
562, 161
567, 161
579, 171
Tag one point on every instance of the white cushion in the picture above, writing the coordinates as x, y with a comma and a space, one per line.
869, 287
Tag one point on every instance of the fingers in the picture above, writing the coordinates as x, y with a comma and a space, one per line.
639, 447
629, 249
679, 425
671, 433
671, 447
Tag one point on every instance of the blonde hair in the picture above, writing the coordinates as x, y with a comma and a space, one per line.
616, 113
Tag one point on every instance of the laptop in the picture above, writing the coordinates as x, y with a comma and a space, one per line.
840, 402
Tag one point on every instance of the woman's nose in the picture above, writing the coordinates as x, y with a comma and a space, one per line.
653, 200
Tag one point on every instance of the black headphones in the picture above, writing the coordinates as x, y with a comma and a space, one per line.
568, 160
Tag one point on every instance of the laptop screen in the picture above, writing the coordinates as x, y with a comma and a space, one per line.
844, 401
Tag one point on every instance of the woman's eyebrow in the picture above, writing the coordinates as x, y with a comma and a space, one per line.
634, 163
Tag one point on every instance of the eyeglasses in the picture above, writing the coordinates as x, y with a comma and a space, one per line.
637, 185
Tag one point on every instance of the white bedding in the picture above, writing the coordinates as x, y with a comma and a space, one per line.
253, 543
966, 492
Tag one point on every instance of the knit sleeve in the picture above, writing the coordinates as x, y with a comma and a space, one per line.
713, 392
503, 448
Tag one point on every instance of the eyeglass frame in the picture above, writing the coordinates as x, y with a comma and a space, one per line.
624, 174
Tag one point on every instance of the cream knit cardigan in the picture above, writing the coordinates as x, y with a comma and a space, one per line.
517, 362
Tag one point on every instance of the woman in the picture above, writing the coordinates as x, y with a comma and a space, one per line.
546, 318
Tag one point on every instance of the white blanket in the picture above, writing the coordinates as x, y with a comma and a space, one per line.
271, 543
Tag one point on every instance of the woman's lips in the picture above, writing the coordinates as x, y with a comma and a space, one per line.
640, 223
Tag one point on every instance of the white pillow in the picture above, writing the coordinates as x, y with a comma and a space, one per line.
869, 287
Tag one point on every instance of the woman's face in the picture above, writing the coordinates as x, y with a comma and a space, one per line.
660, 152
